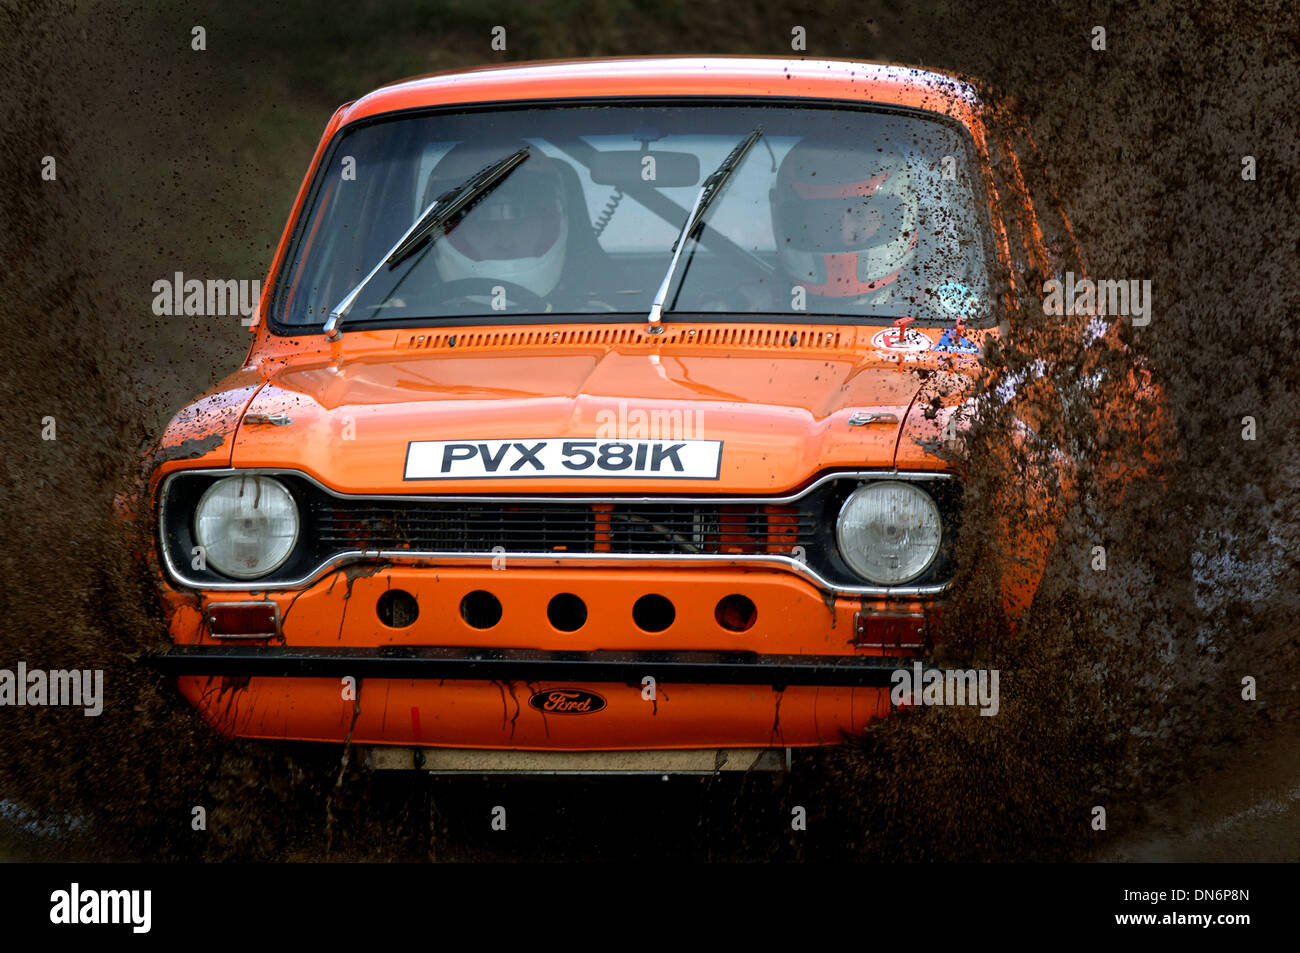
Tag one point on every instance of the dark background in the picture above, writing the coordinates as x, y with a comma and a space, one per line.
1124, 692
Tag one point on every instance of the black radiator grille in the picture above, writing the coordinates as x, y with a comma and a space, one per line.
634, 528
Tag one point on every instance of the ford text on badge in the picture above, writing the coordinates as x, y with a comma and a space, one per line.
557, 457
567, 701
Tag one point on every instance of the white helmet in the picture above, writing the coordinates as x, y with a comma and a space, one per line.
517, 233
845, 221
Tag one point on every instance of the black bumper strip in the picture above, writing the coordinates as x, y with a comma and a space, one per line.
720, 668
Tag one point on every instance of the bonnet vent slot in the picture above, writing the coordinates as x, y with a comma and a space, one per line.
774, 338
525, 337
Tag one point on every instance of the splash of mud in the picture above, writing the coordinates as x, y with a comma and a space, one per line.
1120, 686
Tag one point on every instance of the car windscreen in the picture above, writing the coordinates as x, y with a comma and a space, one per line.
835, 211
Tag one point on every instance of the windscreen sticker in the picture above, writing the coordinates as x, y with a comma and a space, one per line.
901, 339
951, 341
560, 457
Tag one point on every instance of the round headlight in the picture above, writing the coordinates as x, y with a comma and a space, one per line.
247, 525
889, 532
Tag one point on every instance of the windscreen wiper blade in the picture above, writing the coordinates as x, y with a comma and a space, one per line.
709, 191
426, 228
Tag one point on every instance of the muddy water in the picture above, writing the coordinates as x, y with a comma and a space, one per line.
1123, 689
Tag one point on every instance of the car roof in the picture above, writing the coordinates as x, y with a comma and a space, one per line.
750, 76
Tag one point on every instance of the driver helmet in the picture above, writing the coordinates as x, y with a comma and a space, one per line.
517, 233
846, 222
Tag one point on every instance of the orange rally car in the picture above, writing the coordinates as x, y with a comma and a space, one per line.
580, 428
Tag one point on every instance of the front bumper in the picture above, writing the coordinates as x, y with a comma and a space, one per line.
476, 698
530, 665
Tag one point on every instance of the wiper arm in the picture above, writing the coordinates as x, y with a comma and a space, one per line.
426, 228
708, 192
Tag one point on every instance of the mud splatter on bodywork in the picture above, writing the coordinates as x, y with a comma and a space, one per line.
190, 449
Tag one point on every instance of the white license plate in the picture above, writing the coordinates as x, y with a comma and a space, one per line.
560, 457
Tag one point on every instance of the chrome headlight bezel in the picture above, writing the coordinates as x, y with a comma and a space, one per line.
931, 522
266, 490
